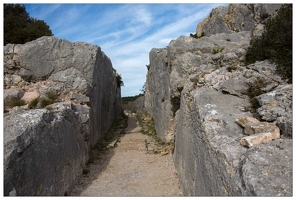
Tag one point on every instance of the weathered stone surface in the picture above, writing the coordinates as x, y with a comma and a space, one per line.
207, 143
260, 138
261, 127
12, 80
202, 94
243, 120
157, 95
78, 97
44, 152
235, 18
277, 106
13, 93
29, 96
267, 169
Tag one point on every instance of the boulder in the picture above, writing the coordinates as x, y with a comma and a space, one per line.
244, 120
13, 93
44, 152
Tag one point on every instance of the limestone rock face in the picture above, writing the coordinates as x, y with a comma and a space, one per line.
236, 18
44, 151
195, 91
78, 71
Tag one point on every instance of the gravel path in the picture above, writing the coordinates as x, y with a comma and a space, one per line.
128, 170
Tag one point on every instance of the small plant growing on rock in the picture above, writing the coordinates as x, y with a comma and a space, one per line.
15, 102
197, 37
33, 103
45, 102
215, 51
51, 95
119, 80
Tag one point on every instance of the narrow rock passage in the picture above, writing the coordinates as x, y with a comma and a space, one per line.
128, 170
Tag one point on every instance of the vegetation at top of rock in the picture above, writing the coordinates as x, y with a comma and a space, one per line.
197, 37
275, 43
20, 28
119, 80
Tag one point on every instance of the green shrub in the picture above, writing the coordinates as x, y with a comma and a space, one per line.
275, 43
33, 103
15, 102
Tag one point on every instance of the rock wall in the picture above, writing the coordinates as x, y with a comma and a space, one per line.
196, 91
56, 71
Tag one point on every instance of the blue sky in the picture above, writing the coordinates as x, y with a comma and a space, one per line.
125, 32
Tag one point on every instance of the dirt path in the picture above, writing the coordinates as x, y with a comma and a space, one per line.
128, 170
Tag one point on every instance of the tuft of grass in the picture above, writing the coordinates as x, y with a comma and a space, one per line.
51, 95
15, 102
33, 103
45, 102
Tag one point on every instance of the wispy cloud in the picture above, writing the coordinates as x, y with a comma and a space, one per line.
125, 32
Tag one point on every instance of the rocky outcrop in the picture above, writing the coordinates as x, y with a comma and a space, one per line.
237, 18
195, 91
39, 74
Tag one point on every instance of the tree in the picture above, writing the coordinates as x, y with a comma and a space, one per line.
20, 28
275, 43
